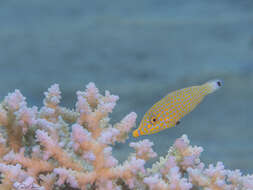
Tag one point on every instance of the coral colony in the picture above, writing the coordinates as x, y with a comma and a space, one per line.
57, 148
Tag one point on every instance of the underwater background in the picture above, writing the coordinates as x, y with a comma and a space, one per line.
140, 50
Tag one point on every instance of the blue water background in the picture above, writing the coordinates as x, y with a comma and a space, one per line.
140, 50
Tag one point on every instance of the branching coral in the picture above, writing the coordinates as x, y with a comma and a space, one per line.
57, 148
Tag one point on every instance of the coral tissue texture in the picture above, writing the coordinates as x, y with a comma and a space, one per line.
57, 148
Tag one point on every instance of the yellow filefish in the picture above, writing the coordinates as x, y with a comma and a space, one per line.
167, 112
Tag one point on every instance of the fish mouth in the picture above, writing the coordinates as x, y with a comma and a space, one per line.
136, 133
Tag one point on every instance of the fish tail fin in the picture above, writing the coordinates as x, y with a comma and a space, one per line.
212, 85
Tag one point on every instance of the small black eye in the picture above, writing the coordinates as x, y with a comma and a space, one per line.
153, 120
219, 83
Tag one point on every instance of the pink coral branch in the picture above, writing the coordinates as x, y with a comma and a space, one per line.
57, 147
92, 94
34, 165
56, 151
143, 149
52, 96
125, 126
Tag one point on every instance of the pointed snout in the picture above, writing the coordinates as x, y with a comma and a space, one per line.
136, 133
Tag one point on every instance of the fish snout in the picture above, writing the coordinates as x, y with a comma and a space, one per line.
136, 133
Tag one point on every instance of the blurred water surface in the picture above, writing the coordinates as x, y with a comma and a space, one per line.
140, 50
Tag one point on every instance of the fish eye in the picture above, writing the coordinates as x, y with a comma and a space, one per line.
153, 120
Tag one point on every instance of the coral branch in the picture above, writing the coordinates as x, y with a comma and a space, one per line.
143, 149
56, 151
56, 148
34, 165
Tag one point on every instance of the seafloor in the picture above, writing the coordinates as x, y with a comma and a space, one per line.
140, 50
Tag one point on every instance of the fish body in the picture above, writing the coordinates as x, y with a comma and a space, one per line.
167, 112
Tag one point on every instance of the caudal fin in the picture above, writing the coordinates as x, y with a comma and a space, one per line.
213, 85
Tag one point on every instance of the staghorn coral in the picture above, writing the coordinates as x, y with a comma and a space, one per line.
57, 148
